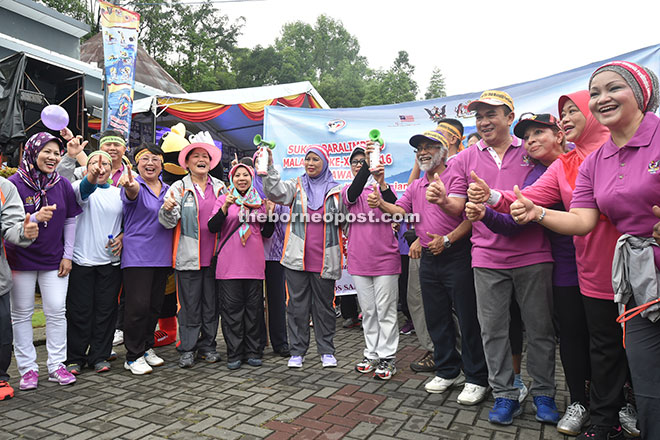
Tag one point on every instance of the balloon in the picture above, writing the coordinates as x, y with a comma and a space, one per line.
54, 117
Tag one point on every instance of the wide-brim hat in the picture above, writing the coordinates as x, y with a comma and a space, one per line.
492, 97
544, 119
214, 153
431, 135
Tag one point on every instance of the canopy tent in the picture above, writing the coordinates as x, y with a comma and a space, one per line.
231, 116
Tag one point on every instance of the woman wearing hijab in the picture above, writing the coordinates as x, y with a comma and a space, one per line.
47, 261
241, 266
144, 271
620, 180
95, 280
312, 253
188, 207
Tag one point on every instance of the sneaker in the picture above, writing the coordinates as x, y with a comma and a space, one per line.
546, 409
296, 362
29, 381
187, 359
597, 432
386, 369
408, 328
102, 367
61, 376
210, 356
425, 364
74, 369
472, 394
112, 357
504, 411
255, 362
152, 358
118, 338
574, 419
328, 361
351, 323
440, 385
337, 312
138, 366
6, 391
367, 365
628, 420
518, 383
283, 351
234, 365
163, 338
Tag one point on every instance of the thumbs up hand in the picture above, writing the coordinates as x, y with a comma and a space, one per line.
30, 229
436, 192
656, 227
374, 200
170, 202
478, 191
475, 212
45, 213
523, 210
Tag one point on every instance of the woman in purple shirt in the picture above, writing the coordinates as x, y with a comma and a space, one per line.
47, 261
146, 258
620, 180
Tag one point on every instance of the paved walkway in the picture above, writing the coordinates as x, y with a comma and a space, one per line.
273, 402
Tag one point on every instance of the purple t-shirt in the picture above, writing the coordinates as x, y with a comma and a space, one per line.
206, 237
314, 231
146, 242
624, 183
489, 250
47, 250
373, 248
236, 261
432, 219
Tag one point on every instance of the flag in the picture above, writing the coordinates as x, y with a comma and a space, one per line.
406, 118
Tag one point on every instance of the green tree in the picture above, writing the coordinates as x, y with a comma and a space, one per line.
82, 10
436, 85
394, 85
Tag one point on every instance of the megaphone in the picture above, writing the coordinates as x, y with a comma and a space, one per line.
374, 135
259, 142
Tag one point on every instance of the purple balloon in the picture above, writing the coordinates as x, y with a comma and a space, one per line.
54, 117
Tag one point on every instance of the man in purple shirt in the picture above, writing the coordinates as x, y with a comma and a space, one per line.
504, 266
445, 277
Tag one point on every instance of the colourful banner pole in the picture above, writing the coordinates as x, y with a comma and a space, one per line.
120, 31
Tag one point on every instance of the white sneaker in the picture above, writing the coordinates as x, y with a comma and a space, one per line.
523, 390
119, 337
138, 366
472, 394
440, 385
574, 419
152, 358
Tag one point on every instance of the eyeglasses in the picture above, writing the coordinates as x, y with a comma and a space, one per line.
430, 148
153, 160
357, 162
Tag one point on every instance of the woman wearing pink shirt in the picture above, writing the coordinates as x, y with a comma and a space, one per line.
620, 180
241, 266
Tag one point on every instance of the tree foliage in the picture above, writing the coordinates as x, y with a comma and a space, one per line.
436, 85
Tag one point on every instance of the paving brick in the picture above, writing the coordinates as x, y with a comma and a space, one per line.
284, 427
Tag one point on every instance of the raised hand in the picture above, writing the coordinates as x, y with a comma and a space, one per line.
436, 192
45, 213
436, 245
234, 161
30, 229
374, 200
523, 210
66, 134
478, 191
75, 146
379, 173
475, 211
170, 202
230, 200
656, 227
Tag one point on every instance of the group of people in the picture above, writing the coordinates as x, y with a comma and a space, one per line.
553, 230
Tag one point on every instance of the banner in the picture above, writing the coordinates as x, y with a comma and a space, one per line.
340, 130
120, 32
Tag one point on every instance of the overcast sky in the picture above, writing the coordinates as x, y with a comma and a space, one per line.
477, 44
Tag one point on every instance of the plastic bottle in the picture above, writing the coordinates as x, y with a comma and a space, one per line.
108, 248
374, 156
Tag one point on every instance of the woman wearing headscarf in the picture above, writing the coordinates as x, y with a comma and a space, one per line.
312, 252
146, 258
593, 349
187, 207
620, 180
47, 261
95, 280
239, 217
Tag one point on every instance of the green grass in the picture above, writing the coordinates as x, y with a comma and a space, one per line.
38, 319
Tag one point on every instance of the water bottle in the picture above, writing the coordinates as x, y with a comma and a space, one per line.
113, 258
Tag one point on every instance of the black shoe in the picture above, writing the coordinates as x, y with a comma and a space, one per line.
425, 364
282, 351
597, 432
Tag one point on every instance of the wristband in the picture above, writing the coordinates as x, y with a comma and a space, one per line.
540, 219
494, 197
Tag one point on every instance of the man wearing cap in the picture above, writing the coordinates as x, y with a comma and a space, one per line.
445, 276
519, 265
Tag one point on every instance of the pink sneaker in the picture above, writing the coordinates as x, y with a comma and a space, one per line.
62, 376
29, 381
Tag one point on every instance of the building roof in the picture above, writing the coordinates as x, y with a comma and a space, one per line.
147, 70
47, 16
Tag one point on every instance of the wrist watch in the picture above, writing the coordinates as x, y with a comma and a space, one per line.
446, 243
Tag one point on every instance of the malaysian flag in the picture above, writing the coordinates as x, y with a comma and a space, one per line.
406, 118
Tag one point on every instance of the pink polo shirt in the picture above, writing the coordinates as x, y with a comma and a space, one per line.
373, 248
594, 251
624, 183
432, 219
490, 250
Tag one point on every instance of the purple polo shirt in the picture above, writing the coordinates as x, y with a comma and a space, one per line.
47, 250
431, 218
146, 242
206, 237
490, 250
624, 183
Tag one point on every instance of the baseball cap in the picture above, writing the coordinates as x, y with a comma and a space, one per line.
527, 119
430, 135
493, 97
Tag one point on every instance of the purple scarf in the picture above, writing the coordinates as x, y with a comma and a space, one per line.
28, 171
317, 187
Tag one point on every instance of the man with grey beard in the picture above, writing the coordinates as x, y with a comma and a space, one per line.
445, 275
